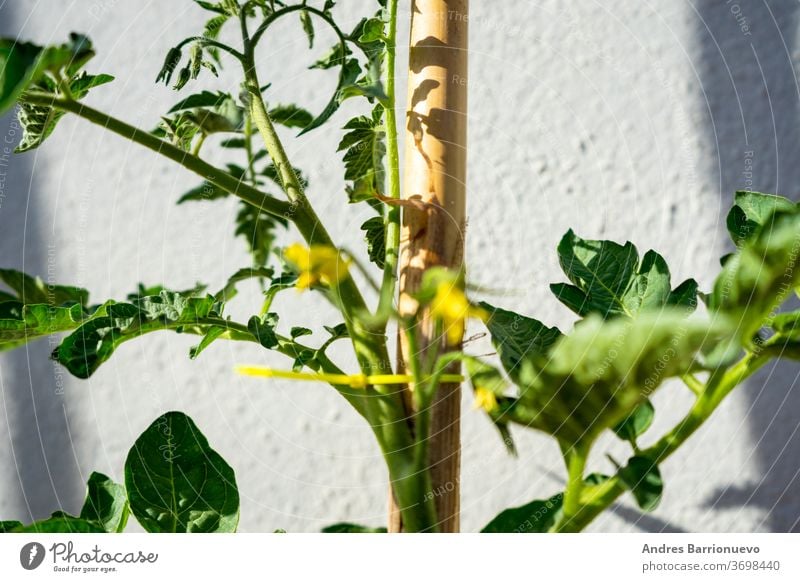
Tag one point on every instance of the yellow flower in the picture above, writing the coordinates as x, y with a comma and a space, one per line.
485, 399
318, 265
451, 306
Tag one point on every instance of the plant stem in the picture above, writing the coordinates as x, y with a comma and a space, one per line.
392, 219
715, 391
576, 457
385, 408
213, 174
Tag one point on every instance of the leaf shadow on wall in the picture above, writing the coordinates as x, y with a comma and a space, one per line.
751, 97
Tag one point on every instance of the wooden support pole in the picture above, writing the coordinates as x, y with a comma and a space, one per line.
433, 234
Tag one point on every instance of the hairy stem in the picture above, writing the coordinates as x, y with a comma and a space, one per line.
211, 173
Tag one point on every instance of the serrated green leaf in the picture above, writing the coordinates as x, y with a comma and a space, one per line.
264, 328
364, 145
20, 323
518, 338
761, 275
177, 483
39, 121
93, 342
24, 64
608, 279
750, 212
534, 517
258, 228
376, 240
106, 504
597, 375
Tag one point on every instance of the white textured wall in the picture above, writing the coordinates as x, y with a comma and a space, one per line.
622, 119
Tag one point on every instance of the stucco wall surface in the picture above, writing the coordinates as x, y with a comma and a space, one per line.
629, 120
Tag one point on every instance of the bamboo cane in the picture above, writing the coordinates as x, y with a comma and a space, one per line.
433, 233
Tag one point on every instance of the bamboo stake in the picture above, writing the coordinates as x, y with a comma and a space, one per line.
433, 232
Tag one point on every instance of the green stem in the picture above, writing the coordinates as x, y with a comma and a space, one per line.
576, 457
213, 174
693, 384
715, 391
385, 409
392, 217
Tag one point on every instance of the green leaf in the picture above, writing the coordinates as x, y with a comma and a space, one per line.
212, 6
39, 121
636, 423
308, 27
371, 31
290, 115
177, 483
608, 279
335, 57
20, 324
352, 528
212, 334
171, 62
350, 70
106, 504
761, 275
364, 145
211, 30
263, 329
19, 66
751, 211
203, 100
229, 291
61, 523
518, 338
24, 64
297, 332
91, 344
597, 375
337, 332
642, 477
204, 112
534, 517
28, 289
258, 229
376, 240
10, 526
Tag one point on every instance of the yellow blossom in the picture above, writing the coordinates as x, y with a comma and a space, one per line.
317, 265
451, 306
485, 399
